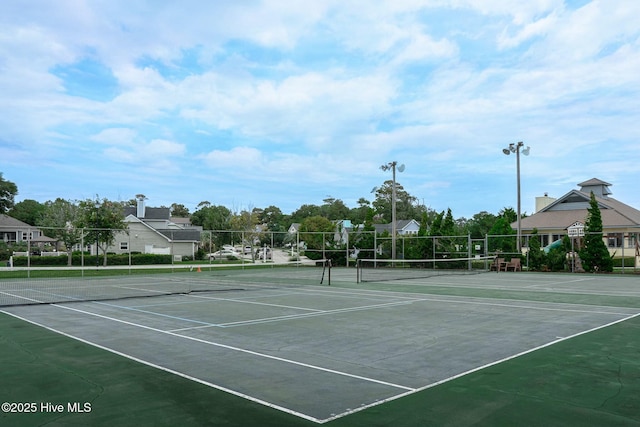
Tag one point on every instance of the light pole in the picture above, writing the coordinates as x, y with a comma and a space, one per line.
386, 167
515, 148
97, 205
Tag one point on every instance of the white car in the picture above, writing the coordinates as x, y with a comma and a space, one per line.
224, 254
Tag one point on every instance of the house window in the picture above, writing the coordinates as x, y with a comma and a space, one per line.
633, 239
544, 241
124, 246
614, 240
557, 237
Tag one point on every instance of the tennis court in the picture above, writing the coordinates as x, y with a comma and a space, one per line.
323, 352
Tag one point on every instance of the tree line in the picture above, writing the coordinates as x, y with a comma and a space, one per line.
218, 217
102, 216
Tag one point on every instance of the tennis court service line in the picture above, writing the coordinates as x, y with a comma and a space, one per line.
245, 301
238, 349
527, 288
527, 307
123, 307
294, 316
562, 282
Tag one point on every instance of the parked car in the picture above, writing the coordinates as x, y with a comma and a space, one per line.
261, 253
224, 254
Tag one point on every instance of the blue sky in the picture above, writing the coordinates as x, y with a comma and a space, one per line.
256, 103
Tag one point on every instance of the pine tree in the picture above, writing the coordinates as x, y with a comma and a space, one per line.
595, 255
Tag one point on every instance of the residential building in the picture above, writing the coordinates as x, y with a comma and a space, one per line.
15, 231
555, 218
404, 227
152, 231
294, 228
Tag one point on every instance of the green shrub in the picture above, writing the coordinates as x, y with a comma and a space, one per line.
89, 260
628, 262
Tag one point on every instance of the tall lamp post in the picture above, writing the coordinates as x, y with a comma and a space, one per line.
97, 205
386, 167
515, 148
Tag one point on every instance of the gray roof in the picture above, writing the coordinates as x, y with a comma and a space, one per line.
594, 181
149, 213
8, 221
181, 235
573, 207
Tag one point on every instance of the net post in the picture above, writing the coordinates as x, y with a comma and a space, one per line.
469, 251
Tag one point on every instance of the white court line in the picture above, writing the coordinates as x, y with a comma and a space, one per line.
171, 371
528, 307
479, 301
563, 282
294, 316
479, 368
242, 301
503, 288
238, 349
184, 319
408, 391
238, 300
20, 296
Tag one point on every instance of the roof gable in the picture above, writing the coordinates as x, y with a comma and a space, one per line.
9, 221
572, 201
574, 206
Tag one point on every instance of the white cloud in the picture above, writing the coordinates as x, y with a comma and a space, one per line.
327, 90
244, 158
116, 136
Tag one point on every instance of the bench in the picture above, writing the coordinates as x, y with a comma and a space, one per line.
497, 264
513, 265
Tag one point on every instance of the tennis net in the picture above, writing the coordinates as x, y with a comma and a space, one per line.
51, 290
382, 270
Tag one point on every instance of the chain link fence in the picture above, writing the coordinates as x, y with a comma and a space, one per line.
141, 245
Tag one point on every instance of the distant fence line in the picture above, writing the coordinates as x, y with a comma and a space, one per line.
343, 246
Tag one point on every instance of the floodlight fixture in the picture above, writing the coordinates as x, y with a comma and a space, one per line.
506, 151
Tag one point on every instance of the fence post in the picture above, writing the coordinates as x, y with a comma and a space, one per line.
28, 252
469, 251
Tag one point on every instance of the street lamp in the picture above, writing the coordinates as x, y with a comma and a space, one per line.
97, 205
515, 148
386, 167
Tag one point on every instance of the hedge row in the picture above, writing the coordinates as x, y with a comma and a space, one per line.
112, 259
628, 262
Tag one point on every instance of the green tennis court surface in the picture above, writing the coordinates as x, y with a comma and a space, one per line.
536, 348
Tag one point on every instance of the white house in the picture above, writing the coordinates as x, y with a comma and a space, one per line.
404, 227
152, 231
15, 231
